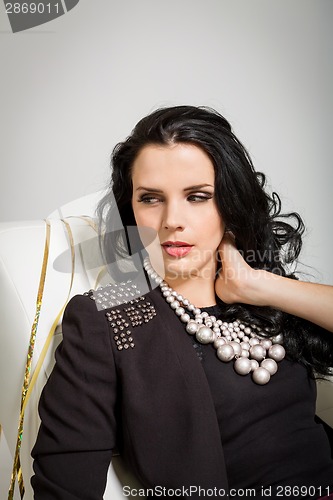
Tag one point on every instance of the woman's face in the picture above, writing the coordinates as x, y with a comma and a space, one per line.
173, 193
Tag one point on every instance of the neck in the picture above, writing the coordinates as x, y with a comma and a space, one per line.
199, 291
198, 288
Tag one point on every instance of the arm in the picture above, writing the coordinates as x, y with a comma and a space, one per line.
238, 282
77, 408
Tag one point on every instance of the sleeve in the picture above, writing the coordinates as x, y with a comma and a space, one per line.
78, 410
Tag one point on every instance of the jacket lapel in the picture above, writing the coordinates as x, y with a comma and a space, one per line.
202, 448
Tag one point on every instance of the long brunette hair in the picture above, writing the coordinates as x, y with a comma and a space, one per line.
267, 238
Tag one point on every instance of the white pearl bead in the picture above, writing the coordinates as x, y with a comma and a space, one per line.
225, 353
253, 341
185, 318
192, 327
236, 347
242, 366
204, 335
257, 352
179, 311
261, 376
254, 364
270, 365
276, 352
170, 298
245, 353
218, 342
266, 343
245, 345
174, 304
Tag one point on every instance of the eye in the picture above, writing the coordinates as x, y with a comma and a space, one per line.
199, 197
148, 199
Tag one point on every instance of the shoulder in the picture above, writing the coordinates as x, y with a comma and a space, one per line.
114, 299
114, 294
124, 309
101, 299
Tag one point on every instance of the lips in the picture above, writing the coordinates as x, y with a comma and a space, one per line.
176, 248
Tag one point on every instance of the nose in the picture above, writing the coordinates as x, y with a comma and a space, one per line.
173, 217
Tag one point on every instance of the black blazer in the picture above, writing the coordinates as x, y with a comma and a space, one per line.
150, 400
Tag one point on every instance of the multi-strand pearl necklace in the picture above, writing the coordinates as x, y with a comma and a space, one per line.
253, 352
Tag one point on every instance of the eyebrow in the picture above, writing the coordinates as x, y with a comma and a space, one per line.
190, 188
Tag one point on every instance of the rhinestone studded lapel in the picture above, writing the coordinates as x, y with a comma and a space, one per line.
129, 310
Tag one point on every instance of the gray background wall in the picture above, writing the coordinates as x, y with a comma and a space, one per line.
72, 88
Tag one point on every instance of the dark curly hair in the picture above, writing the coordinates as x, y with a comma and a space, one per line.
266, 238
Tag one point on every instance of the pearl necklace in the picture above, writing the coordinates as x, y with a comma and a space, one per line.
235, 340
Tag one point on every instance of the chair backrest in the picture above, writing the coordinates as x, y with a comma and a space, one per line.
21, 257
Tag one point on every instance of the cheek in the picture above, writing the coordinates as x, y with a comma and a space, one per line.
213, 226
137, 211
145, 217
137, 217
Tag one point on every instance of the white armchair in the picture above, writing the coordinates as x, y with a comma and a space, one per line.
21, 257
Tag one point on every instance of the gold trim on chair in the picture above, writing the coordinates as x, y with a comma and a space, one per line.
30, 380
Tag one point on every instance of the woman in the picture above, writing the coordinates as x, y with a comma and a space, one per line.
190, 380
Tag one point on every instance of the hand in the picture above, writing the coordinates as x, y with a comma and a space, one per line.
236, 281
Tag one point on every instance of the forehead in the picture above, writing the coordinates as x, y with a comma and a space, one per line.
181, 162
